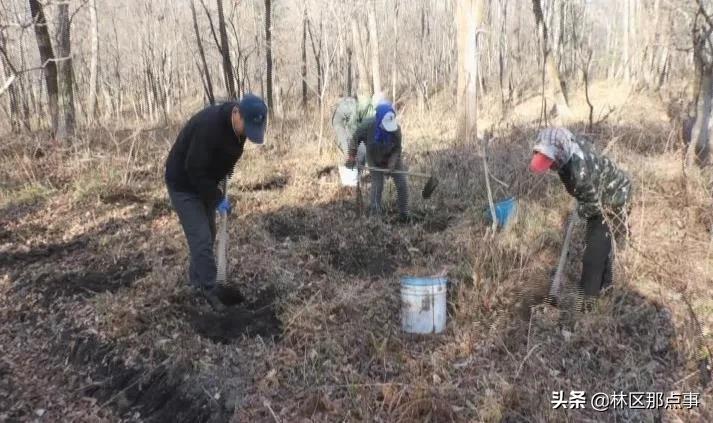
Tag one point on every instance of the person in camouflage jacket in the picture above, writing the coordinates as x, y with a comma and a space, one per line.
349, 113
602, 191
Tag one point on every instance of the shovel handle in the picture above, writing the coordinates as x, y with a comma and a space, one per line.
401, 172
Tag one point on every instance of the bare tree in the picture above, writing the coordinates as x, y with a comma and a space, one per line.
94, 65
469, 14
8, 84
268, 55
557, 87
374, 45
699, 147
317, 52
125, 59
47, 58
207, 82
66, 73
364, 83
225, 52
304, 56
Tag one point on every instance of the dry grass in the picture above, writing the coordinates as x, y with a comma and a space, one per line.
342, 356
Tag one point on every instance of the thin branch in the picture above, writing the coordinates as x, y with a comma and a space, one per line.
8, 61
212, 28
80, 7
7, 84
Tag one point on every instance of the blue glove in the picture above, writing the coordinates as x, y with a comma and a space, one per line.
224, 206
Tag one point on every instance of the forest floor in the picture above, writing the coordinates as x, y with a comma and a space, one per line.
95, 325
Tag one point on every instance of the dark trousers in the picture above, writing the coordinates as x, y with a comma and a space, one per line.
597, 264
598, 260
198, 222
377, 189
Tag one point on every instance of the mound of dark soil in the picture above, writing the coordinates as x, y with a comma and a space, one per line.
157, 394
247, 318
361, 256
293, 224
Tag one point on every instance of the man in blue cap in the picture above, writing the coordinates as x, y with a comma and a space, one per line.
205, 153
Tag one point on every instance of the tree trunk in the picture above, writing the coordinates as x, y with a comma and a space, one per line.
350, 90
557, 88
206, 72
47, 58
502, 55
317, 51
94, 64
374, 45
395, 48
268, 54
469, 15
364, 84
9, 77
627, 40
304, 58
66, 73
699, 147
225, 52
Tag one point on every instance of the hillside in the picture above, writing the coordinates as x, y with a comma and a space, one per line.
96, 325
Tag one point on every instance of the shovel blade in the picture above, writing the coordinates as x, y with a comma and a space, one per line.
430, 186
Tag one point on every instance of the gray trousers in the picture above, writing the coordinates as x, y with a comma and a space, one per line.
377, 189
198, 224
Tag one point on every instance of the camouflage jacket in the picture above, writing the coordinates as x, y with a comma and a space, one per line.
348, 115
596, 183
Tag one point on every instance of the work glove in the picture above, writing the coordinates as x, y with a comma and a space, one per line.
351, 162
224, 206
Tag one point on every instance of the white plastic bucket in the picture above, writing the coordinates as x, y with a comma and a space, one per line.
348, 176
423, 304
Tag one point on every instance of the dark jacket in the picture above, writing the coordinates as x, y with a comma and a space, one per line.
595, 181
204, 153
379, 155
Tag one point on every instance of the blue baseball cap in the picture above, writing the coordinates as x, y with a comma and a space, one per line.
254, 113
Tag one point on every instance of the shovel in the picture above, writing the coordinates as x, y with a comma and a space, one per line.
556, 285
428, 189
222, 240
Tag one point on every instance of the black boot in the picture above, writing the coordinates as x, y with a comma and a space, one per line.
212, 298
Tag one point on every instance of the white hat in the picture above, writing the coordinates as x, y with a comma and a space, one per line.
389, 122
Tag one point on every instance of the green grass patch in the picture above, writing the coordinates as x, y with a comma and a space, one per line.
27, 194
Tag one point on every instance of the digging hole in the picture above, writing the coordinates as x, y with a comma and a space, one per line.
248, 318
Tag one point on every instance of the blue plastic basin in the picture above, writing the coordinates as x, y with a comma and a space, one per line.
504, 211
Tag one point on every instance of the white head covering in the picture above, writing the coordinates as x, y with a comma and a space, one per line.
558, 144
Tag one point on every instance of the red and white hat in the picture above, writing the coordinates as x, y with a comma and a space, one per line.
554, 148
